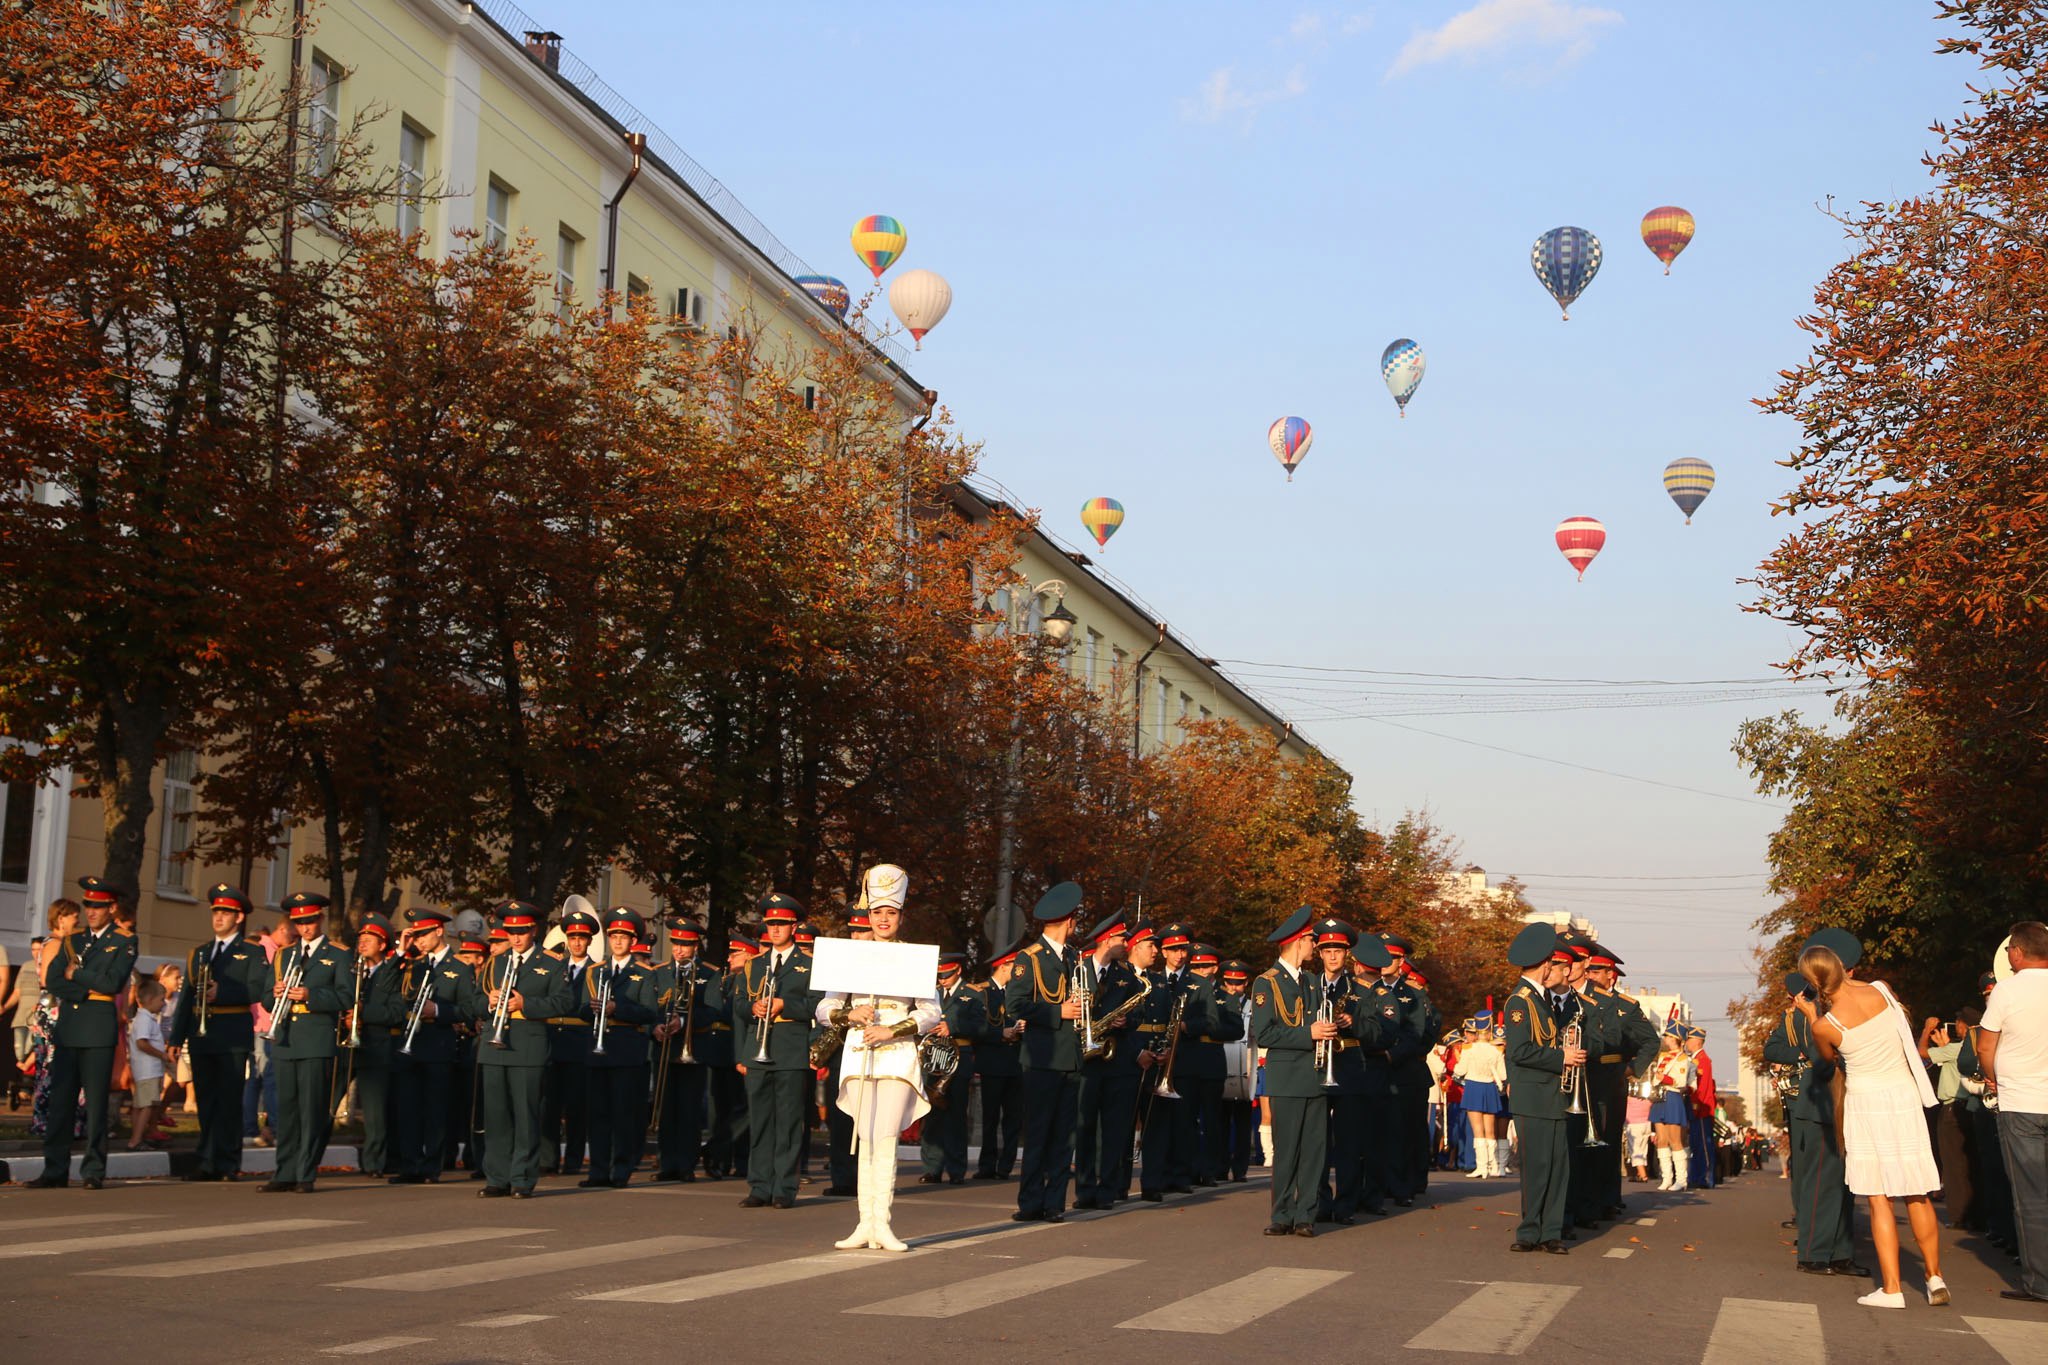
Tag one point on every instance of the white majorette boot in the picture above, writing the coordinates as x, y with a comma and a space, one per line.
1500, 1156
863, 1231
880, 1236
1681, 1170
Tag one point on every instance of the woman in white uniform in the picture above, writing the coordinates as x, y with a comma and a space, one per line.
881, 1083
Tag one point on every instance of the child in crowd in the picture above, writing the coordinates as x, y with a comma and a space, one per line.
146, 1058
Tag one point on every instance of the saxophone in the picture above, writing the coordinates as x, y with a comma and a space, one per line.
1105, 1025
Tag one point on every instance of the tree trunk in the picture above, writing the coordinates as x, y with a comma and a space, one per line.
126, 744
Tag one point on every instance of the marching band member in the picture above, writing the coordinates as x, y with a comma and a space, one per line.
565, 1103
999, 1064
691, 1000
1483, 1072
1341, 1189
1040, 997
465, 1114
1671, 1113
944, 1146
91, 967
725, 1141
839, 1123
1240, 1080
520, 990
772, 1008
881, 1082
617, 1089
303, 1048
1630, 1049
1403, 1146
233, 972
1537, 1060
422, 1068
1107, 1103
1199, 1071
369, 1065
1171, 1122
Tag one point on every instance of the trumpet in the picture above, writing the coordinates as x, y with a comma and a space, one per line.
765, 997
282, 1010
601, 1004
354, 1036
202, 981
1164, 1090
1085, 1025
1573, 1083
501, 1016
1326, 1048
688, 1056
419, 1005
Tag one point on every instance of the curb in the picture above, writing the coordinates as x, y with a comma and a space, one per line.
158, 1165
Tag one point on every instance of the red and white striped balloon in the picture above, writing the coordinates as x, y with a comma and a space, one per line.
1580, 538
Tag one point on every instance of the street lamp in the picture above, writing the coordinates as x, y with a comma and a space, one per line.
1055, 629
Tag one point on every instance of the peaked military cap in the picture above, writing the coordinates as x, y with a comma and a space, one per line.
1143, 930
579, 922
951, 963
1397, 944
374, 923
1373, 952
1533, 946
857, 918
472, 943
1234, 970
1840, 942
682, 930
1795, 984
519, 915
776, 908
1112, 927
1057, 904
97, 891
1987, 981
744, 942
1294, 926
805, 935
1204, 955
1176, 935
222, 896
305, 905
623, 920
426, 914
1333, 932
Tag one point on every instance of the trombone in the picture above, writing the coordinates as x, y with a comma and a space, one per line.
354, 1036
419, 1004
1164, 1090
688, 1056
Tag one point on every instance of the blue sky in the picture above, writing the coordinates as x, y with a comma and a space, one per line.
1166, 225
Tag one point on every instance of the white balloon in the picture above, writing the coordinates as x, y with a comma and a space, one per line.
920, 298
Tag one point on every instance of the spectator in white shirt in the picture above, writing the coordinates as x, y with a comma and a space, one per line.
2012, 1050
146, 1058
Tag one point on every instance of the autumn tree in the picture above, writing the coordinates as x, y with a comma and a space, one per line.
151, 534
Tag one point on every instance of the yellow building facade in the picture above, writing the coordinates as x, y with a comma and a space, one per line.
495, 129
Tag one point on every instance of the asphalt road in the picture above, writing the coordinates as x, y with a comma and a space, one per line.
159, 1271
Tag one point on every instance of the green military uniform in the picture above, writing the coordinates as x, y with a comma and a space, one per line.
944, 1139
510, 1075
1821, 1206
1385, 1061
381, 1021
1199, 1070
616, 1088
1106, 1104
1407, 1134
1600, 1035
423, 1064
692, 996
1285, 1001
219, 1055
1629, 1047
999, 1073
92, 968
302, 1052
777, 1087
1535, 1066
1037, 995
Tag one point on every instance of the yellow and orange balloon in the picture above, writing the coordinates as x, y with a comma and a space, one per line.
1666, 231
1102, 516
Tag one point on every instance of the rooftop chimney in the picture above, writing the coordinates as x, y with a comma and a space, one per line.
545, 48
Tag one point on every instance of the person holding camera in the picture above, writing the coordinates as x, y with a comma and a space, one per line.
1941, 1042
1821, 1207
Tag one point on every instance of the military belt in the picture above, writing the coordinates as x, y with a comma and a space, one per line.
718, 1028
1346, 1044
227, 1009
1207, 1039
99, 995
575, 1019
1151, 1028
1608, 1058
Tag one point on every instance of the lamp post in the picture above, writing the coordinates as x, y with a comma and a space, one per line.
1055, 629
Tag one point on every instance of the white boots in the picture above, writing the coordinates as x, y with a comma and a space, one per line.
1675, 1168
1500, 1156
1266, 1143
875, 1181
1485, 1158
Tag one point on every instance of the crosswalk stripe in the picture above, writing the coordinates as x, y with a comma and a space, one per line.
160, 1237
1498, 1320
2018, 1341
71, 1220
1230, 1306
1749, 1330
510, 1320
965, 1296
374, 1345
523, 1267
1618, 1253
1646, 1222
745, 1278
309, 1251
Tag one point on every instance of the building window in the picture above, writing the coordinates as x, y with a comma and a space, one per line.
497, 214
1206, 714
323, 115
1091, 657
1187, 704
636, 290
604, 888
174, 836
810, 398
17, 813
565, 271
412, 179
277, 882
1165, 690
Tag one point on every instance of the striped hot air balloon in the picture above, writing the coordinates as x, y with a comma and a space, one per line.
1289, 438
1579, 539
878, 240
1102, 516
1401, 365
1688, 481
1666, 231
1565, 260
829, 291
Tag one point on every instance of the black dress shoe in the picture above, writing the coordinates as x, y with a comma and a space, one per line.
752, 1201
197, 1177
1526, 1246
476, 1175
493, 1192
1375, 1210
92, 1182
1816, 1268
1569, 1236
841, 1191
1083, 1204
1027, 1216
275, 1187
406, 1180
526, 1193
1405, 1200
687, 1178
1205, 1184
595, 1182
928, 1180
1847, 1267
2022, 1295
660, 1176
1342, 1220
1557, 1248
956, 1180
984, 1175
303, 1187
1055, 1218
1152, 1197
1304, 1230
1278, 1229
784, 1201
1180, 1189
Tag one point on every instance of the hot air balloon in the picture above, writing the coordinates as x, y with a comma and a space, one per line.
1401, 365
1566, 259
1688, 481
828, 291
1666, 230
1102, 516
878, 240
1289, 437
1580, 538
920, 299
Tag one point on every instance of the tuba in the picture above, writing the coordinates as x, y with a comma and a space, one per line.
938, 1059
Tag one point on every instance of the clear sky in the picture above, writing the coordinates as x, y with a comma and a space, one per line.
1166, 225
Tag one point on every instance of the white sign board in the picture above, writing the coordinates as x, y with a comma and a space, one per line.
844, 966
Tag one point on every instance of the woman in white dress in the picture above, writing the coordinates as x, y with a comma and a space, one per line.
1884, 1130
881, 1083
